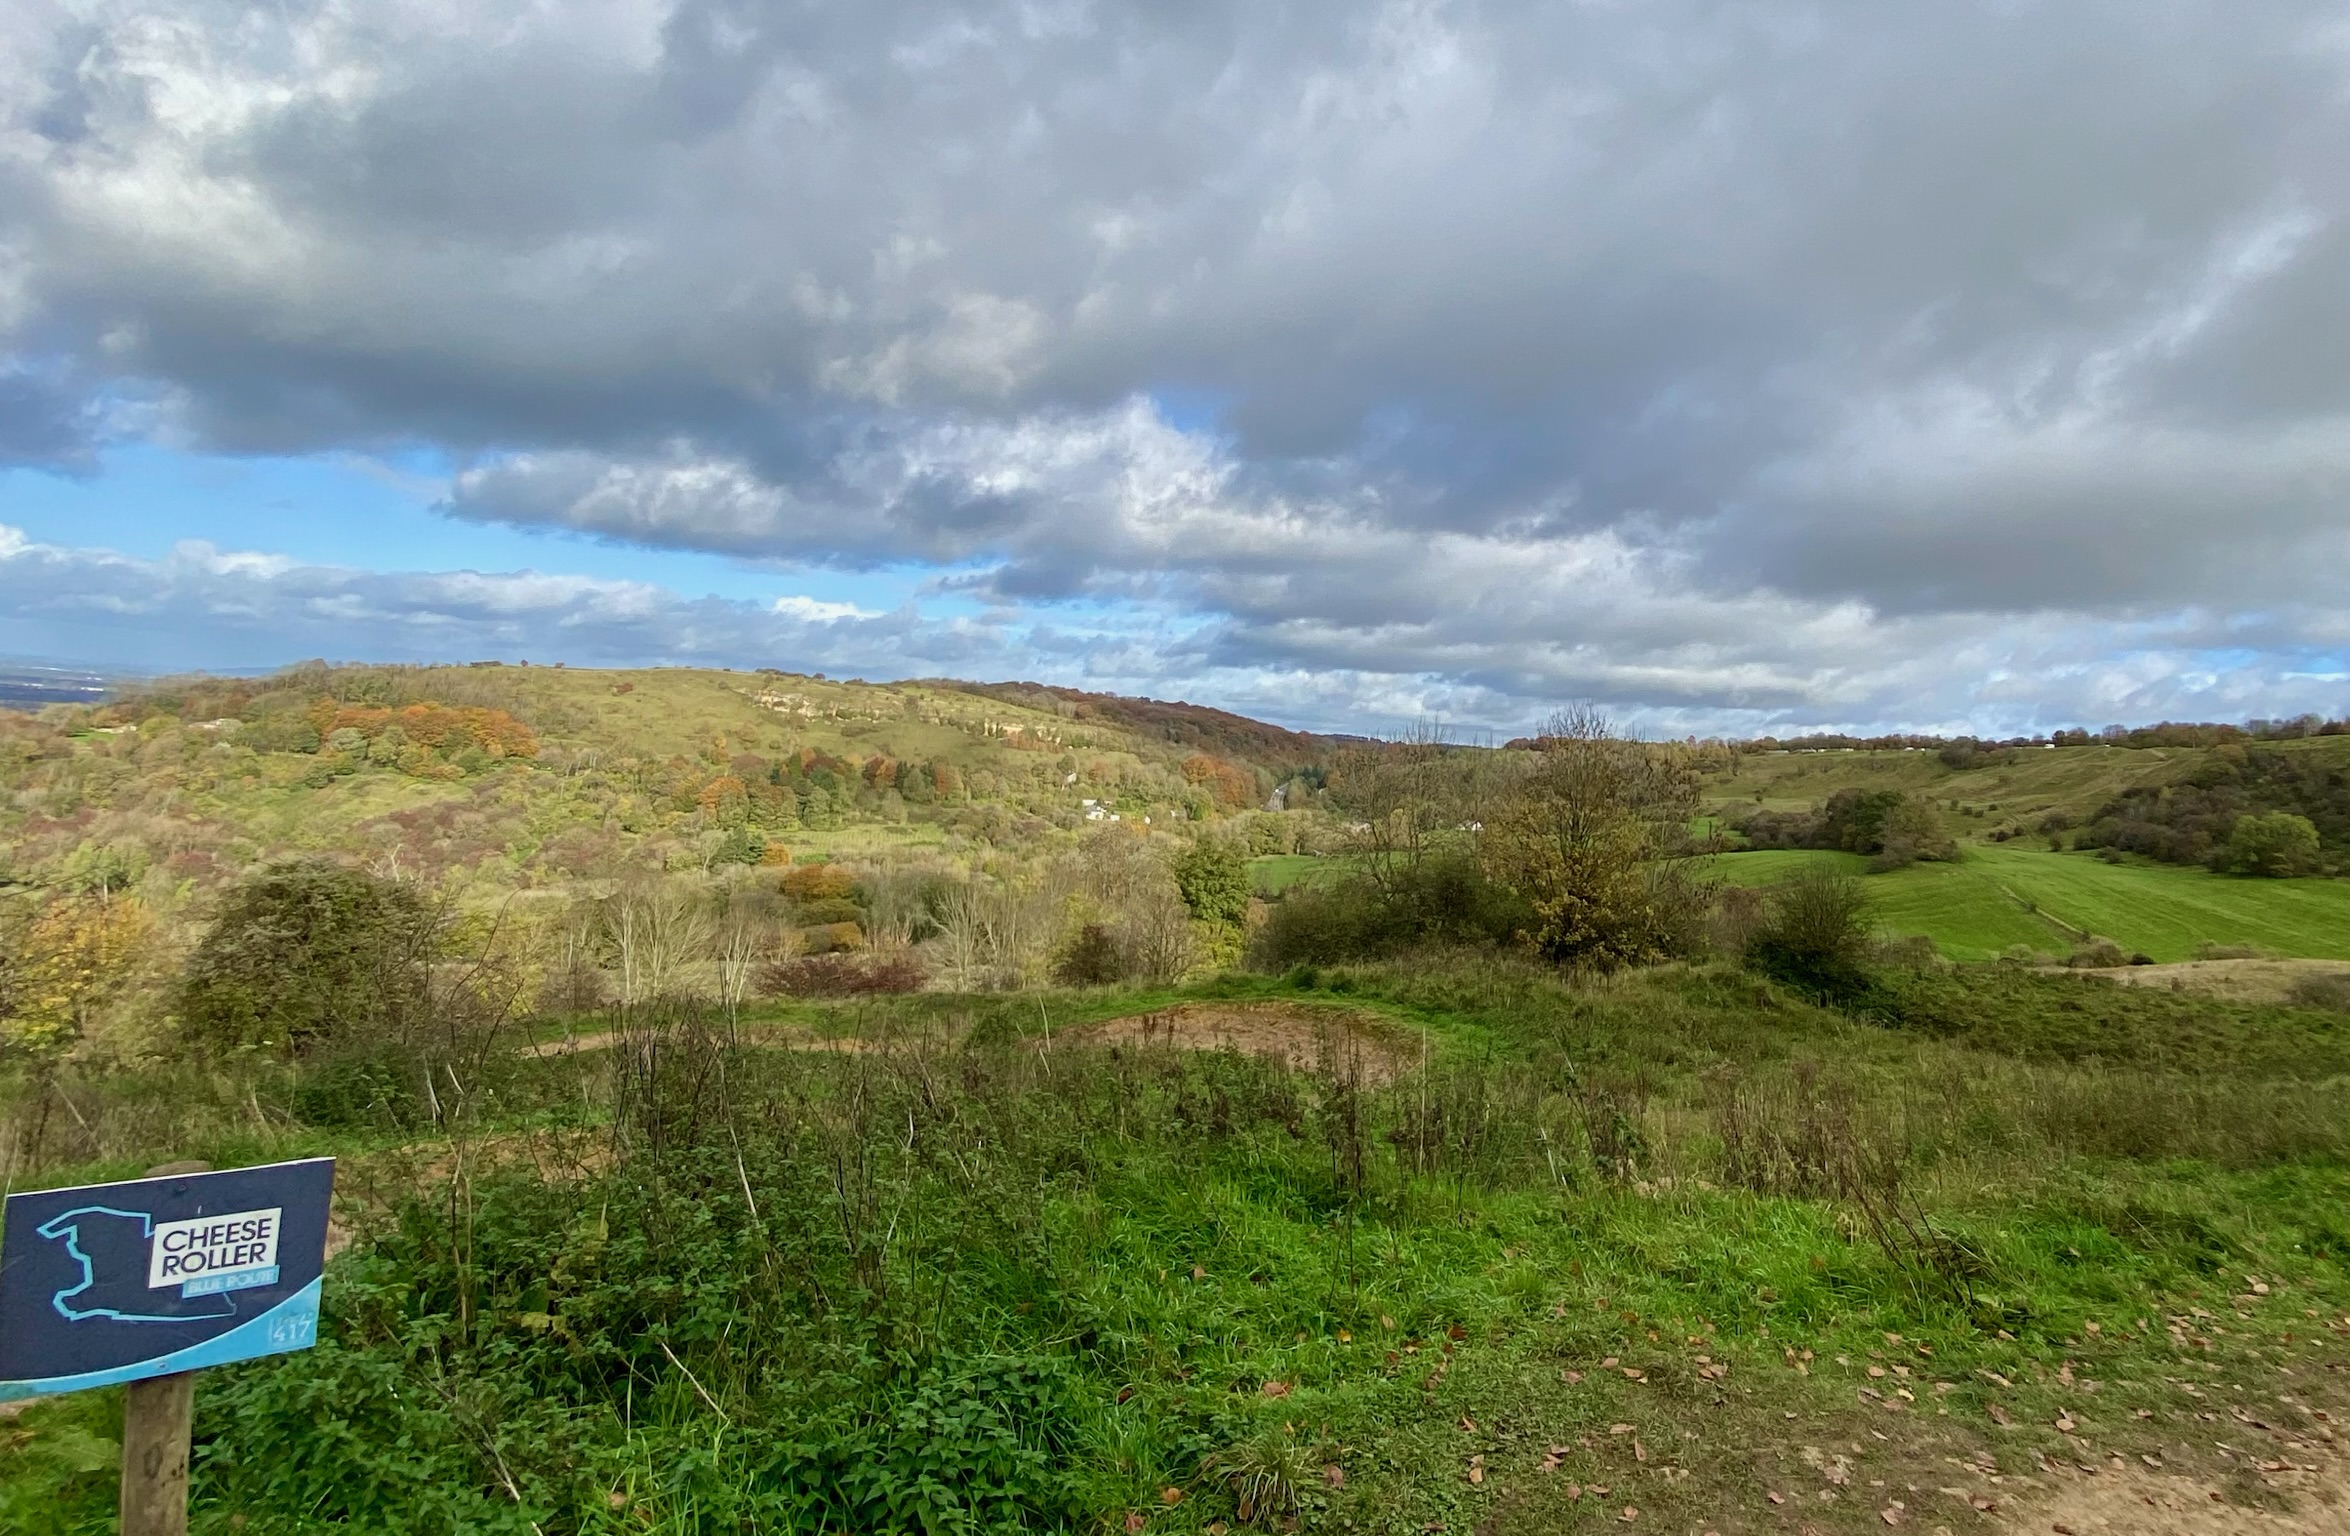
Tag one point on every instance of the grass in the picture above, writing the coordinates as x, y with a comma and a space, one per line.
978, 1286
1276, 872
2015, 795
1997, 897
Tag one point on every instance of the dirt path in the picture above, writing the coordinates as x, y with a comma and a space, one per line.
2235, 981
2291, 1486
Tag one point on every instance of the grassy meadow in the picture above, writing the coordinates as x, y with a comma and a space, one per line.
1672, 1243
1997, 897
780, 1104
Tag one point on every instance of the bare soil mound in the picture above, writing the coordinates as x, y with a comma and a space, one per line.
2235, 981
1298, 1035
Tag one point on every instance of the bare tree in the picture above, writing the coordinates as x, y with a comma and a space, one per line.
656, 931
746, 936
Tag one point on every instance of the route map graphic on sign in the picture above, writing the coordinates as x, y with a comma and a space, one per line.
115, 1282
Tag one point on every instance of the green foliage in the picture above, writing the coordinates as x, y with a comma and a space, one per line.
1996, 898
303, 953
1815, 934
995, 1287
2190, 818
742, 845
1213, 877
1590, 840
1897, 827
2278, 845
1444, 898
1093, 957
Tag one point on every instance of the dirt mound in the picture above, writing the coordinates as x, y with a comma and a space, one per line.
2235, 981
1298, 1035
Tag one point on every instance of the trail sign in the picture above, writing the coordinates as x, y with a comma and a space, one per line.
112, 1283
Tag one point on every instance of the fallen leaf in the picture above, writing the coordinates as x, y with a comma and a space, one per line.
1630, 1514
1468, 1423
1134, 1521
1574, 1491
1998, 1414
1276, 1389
1570, 1377
1170, 1496
1476, 1469
1334, 1475
1198, 1273
2065, 1424
1608, 1364
1876, 1372
1775, 1496
1639, 1451
1893, 1513
1125, 1394
1634, 1373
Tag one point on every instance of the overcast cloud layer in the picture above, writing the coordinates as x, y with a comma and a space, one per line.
1737, 366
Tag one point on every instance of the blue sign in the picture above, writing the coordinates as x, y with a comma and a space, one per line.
115, 1282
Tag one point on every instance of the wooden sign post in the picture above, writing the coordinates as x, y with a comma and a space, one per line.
158, 1423
145, 1283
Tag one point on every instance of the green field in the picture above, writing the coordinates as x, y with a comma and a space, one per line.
1997, 897
1277, 872
2012, 794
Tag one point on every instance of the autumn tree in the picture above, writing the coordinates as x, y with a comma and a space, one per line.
1595, 838
64, 965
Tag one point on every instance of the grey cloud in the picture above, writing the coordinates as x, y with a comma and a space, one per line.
1776, 667
1817, 320
45, 421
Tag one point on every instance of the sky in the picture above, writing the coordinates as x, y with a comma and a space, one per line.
1735, 368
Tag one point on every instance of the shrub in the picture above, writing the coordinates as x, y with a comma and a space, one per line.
1815, 934
1092, 958
2278, 845
1214, 880
1441, 899
842, 974
302, 953
818, 882
2327, 989
2097, 954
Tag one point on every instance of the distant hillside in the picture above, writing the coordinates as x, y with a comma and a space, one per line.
521, 776
2010, 793
1184, 725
